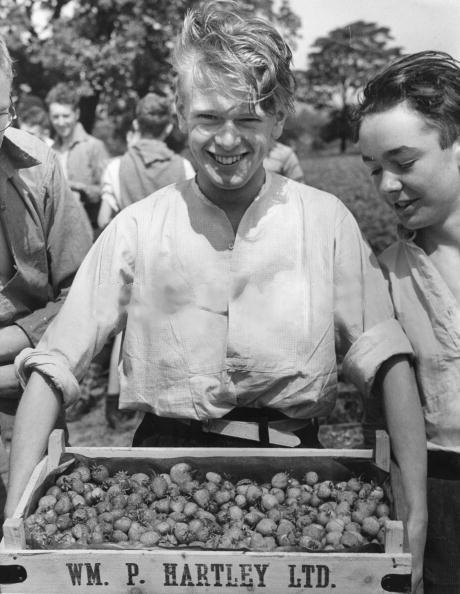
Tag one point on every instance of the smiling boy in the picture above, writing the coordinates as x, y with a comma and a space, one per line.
409, 127
234, 289
83, 157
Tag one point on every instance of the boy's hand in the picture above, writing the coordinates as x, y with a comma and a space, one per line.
416, 530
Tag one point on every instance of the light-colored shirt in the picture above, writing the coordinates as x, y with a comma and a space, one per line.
283, 160
430, 316
212, 320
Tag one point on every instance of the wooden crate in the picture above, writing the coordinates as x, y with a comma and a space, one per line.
182, 571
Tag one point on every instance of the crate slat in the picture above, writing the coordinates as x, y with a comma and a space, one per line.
187, 572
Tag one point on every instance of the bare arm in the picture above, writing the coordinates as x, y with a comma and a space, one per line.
106, 214
9, 383
37, 413
407, 432
12, 340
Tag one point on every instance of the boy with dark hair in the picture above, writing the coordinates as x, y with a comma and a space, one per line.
35, 121
233, 289
409, 134
147, 165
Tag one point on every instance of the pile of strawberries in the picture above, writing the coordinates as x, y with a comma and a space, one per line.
88, 507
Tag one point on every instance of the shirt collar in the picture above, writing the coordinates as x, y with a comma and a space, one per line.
262, 192
405, 234
13, 156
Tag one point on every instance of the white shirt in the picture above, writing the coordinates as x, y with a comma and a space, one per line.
212, 320
430, 316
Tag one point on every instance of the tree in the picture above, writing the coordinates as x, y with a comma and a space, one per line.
115, 49
339, 67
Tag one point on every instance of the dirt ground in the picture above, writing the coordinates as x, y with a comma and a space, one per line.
92, 429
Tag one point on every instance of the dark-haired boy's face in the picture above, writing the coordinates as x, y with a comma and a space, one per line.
419, 179
228, 140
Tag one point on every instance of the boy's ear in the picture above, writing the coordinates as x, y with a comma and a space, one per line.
456, 148
180, 111
279, 124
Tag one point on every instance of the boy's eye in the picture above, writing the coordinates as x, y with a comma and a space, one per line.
406, 164
207, 116
377, 171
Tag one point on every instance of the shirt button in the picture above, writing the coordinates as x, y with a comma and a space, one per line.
230, 245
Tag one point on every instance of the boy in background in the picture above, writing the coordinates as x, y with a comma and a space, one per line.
35, 121
83, 157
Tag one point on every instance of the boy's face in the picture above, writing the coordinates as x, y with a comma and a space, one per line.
419, 179
64, 118
227, 140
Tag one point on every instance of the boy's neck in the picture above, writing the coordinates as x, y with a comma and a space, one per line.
430, 239
233, 200
234, 203
65, 143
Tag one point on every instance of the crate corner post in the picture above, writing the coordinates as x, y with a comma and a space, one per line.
14, 536
56, 446
382, 450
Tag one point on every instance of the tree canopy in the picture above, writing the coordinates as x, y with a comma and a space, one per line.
339, 66
109, 48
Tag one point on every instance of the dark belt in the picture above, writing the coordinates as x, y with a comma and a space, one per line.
155, 431
266, 425
444, 465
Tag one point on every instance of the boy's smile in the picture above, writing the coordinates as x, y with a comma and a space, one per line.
228, 140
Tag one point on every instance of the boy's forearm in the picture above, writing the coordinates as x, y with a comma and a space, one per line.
406, 426
9, 383
35, 419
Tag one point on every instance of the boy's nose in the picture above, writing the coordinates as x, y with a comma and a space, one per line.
389, 183
228, 136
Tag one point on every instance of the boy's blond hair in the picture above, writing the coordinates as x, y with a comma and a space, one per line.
220, 41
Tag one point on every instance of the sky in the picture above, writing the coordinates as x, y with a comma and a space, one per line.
415, 24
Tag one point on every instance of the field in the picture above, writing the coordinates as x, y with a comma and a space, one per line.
346, 177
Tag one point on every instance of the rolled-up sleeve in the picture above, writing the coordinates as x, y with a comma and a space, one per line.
95, 309
367, 333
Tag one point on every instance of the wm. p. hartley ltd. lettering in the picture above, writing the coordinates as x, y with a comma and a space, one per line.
207, 575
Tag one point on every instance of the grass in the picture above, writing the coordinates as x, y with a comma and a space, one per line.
346, 177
